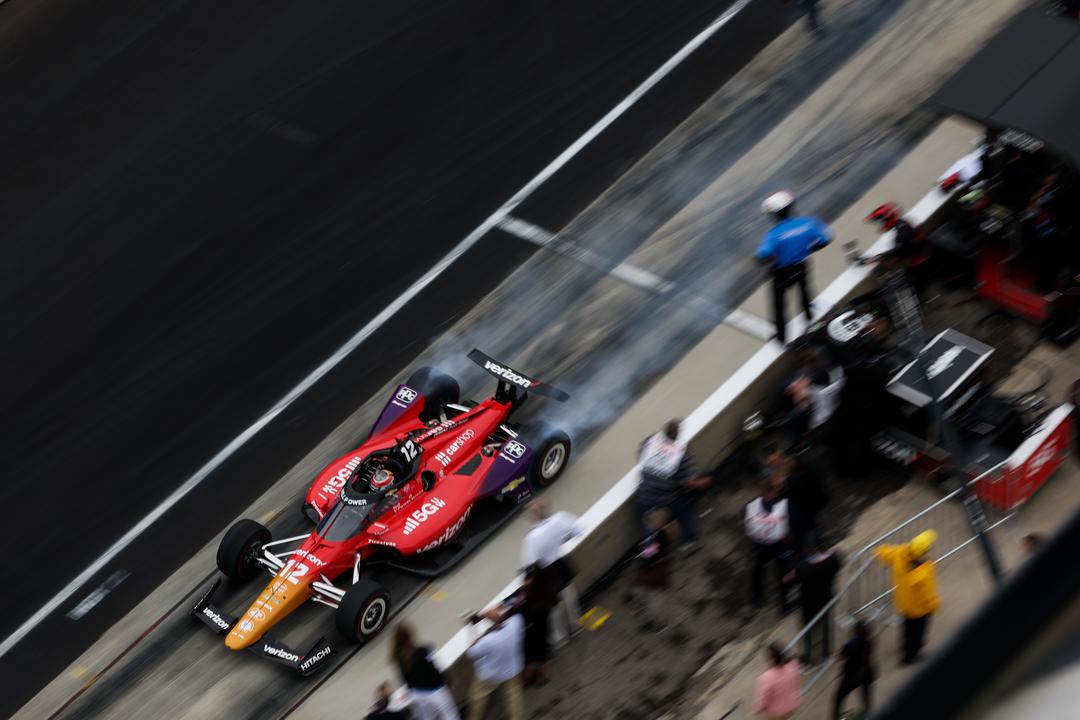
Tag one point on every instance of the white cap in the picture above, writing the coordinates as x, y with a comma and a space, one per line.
777, 201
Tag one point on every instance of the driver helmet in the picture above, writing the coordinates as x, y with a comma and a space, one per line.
777, 201
887, 214
381, 478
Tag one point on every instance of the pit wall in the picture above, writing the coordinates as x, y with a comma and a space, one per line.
711, 431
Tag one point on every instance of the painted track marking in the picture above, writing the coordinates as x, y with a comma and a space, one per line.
50, 606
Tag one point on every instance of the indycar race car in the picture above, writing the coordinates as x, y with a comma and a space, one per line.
407, 491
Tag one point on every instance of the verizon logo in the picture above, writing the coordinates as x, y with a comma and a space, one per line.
509, 375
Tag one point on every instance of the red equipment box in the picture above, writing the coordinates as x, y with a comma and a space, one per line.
1031, 464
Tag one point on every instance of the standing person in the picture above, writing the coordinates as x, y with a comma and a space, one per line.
815, 574
910, 248
498, 659
768, 528
858, 670
542, 546
805, 493
916, 596
534, 601
779, 689
431, 699
785, 249
667, 479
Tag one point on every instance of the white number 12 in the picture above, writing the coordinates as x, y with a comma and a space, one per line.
293, 574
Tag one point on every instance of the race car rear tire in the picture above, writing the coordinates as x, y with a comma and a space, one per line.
436, 387
552, 451
363, 611
238, 549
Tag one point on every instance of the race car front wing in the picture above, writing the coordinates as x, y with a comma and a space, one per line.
268, 646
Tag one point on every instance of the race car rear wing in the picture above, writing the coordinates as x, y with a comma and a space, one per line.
515, 378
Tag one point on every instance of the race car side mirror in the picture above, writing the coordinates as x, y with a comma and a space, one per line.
427, 479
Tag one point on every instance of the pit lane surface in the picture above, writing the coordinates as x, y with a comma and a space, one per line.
202, 201
182, 676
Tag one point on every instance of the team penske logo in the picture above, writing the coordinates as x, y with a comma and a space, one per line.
421, 515
447, 453
509, 375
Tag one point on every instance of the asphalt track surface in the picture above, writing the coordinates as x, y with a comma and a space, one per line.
203, 201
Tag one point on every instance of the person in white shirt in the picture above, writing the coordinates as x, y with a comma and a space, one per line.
815, 393
542, 547
498, 659
768, 528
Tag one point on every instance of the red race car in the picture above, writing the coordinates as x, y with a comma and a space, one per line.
406, 491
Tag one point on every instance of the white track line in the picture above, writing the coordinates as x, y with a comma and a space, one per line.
751, 324
624, 271
378, 321
526, 231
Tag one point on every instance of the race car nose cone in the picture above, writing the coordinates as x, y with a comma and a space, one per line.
278, 599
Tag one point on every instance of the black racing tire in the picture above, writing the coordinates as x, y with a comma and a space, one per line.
437, 389
552, 453
364, 611
237, 551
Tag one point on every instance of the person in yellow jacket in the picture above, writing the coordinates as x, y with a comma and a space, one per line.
916, 595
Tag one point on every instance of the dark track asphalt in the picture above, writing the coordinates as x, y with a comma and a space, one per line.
201, 201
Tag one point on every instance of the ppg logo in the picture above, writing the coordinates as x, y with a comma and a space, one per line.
514, 449
406, 394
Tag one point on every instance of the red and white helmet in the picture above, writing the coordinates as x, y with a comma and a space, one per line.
777, 202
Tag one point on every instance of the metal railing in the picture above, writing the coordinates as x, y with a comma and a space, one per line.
867, 587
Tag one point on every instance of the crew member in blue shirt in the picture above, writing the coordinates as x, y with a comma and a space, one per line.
785, 249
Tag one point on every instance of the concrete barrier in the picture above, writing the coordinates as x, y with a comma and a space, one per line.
712, 429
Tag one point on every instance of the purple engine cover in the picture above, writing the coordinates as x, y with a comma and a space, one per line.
507, 476
402, 400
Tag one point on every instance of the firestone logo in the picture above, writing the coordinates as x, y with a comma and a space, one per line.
459, 442
509, 375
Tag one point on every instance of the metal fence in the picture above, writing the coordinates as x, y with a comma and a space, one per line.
865, 592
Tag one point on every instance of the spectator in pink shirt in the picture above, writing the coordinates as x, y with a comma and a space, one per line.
779, 689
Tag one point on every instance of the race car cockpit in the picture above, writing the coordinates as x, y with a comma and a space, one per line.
372, 486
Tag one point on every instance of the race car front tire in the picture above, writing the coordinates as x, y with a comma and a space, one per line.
363, 611
551, 452
238, 549
437, 389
